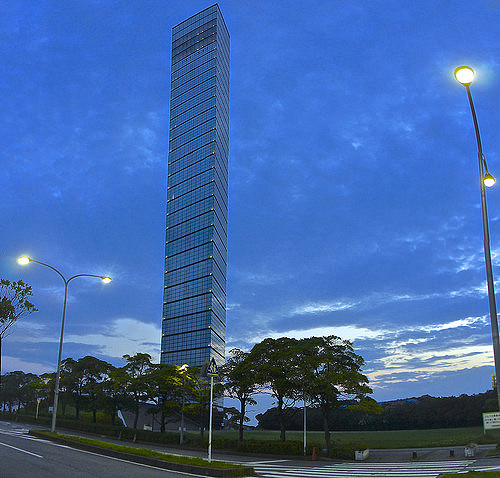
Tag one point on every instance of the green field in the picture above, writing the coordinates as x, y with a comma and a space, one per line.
382, 439
473, 474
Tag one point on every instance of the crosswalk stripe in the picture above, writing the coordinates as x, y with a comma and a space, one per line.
362, 470
17, 432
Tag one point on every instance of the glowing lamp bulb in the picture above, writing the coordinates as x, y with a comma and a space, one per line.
106, 280
24, 260
464, 75
488, 180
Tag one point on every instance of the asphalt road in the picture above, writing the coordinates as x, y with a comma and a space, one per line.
22, 457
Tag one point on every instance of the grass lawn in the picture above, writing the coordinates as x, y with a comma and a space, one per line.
382, 439
473, 474
187, 460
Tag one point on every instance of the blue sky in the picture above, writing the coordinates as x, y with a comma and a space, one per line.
354, 198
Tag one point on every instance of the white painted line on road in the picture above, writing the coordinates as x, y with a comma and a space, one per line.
20, 449
126, 461
11, 432
259, 462
488, 468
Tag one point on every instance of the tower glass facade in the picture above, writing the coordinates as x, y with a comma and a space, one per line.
194, 302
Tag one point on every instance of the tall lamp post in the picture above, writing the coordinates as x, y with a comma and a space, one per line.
26, 260
465, 76
183, 370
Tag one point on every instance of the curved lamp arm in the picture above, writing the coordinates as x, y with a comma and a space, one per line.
26, 260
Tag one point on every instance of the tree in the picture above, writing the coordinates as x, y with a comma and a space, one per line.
274, 364
330, 371
28, 391
16, 393
14, 305
72, 383
93, 372
39, 389
198, 398
165, 390
239, 384
115, 393
138, 368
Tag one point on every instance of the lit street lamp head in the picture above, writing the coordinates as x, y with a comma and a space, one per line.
106, 280
488, 180
464, 75
24, 260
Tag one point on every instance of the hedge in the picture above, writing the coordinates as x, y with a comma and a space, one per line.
272, 447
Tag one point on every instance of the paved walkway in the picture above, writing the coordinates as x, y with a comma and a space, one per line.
425, 454
400, 455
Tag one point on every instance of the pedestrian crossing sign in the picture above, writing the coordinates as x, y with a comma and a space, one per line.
212, 370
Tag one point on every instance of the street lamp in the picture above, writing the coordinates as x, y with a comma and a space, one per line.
465, 76
106, 280
183, 370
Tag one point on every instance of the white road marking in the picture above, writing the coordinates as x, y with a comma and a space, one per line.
20, 449
122, 460
363, 470
488, 468
14, 432
263, 461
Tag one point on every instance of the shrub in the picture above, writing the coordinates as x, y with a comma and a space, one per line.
273, 447
346, 451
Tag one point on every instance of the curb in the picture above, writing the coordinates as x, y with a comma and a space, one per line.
145, 460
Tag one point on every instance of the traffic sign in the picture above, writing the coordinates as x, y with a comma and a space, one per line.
491, 421
212, 370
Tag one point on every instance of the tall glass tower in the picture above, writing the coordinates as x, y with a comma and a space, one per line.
194, 302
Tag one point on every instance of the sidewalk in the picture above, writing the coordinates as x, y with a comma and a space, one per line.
425, 454
376, 455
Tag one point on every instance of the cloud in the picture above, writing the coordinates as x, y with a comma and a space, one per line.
427, 363
376, 299
125, 336
399, 354
325, 307
141, 143
234, 306
262, 278
115, 339
15, 363
420, 353
466, 322
382, 335
347, 332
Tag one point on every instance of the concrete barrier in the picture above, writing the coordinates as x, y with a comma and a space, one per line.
360, 455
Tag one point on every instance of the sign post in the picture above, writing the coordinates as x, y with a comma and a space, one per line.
211, 371
305, 426
38, 400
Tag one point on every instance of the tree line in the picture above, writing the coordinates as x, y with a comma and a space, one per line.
324, 370
93, 385
424, 413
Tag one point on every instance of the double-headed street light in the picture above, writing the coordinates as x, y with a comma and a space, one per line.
465, 76
26, 260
